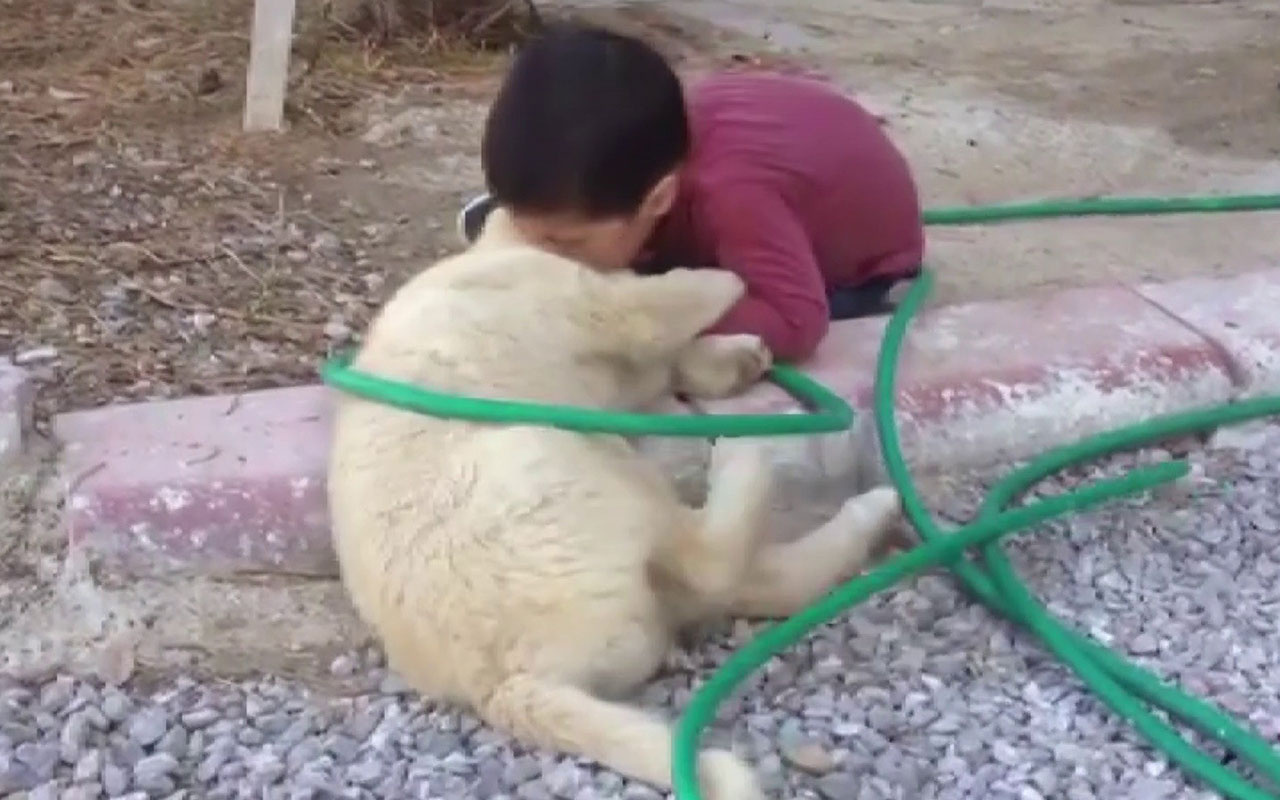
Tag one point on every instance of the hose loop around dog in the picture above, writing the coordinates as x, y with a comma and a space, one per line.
829, 412
1126, 688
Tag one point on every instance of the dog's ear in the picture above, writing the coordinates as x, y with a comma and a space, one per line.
648, 316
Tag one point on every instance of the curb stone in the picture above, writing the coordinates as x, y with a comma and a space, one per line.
235, 483
990, 382
215, 484
16, 397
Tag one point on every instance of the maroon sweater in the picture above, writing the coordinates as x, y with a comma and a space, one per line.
796, 188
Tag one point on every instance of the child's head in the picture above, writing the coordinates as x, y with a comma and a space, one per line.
584, 142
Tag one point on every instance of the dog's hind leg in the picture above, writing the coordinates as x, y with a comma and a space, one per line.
785, 577
567, 719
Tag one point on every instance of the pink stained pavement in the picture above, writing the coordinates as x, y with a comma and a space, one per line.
1240, 315
212, 484
987, 381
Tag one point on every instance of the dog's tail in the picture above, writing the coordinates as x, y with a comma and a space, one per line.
620, 737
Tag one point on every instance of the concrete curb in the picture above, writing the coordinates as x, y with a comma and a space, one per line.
223, 484
16, 397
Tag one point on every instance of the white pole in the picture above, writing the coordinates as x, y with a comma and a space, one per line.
268, 73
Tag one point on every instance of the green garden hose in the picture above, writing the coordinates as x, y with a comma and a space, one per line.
1118, 682
830, 412
1126, 688
1100, 206
1121, 685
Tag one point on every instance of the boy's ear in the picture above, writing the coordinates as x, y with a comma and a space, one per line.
652, 316
661, 197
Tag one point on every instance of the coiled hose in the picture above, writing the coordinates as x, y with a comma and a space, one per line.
1130, 691
1127, 689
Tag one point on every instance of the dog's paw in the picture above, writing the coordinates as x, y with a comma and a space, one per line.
876, 525
718, 366
727, 777
706, 286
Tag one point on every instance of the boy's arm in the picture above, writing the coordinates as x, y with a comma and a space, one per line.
758, 236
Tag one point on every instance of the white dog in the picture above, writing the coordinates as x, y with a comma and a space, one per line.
536, 575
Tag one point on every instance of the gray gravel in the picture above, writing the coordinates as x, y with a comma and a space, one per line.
918, 694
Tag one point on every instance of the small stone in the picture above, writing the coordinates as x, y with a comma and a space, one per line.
362, 725
337, 329
250, 737
342, 748
1005, 753
116, 707
46, 791
1144, 644
56, 694
16, 776
16, 733
72, 738
303, 753
266, 769
344, 666
89, 790
326, 243
147, 726
808, 756
838, 786
89, 767
200, 718
212, 763
365, 773
115, 781
521, 770
43, 759
153, 773
534, 790
174, 742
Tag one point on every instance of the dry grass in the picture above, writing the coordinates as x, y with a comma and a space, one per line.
147, 248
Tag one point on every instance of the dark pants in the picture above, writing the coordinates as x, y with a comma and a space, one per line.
866, 300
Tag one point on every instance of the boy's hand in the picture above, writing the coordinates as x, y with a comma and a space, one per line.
717, 366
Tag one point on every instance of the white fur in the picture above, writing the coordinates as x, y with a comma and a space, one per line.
536, 575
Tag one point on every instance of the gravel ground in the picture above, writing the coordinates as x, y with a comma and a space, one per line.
917, 694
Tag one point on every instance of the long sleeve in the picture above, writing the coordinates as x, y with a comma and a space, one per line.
758, 237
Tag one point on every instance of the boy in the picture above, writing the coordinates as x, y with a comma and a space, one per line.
593, 148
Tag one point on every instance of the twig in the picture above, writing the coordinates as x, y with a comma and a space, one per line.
240, 263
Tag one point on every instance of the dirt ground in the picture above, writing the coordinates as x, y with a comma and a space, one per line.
149, 249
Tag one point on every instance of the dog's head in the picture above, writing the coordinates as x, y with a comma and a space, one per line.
507, 320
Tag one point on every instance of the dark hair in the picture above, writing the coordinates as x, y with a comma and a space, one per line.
586, 121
